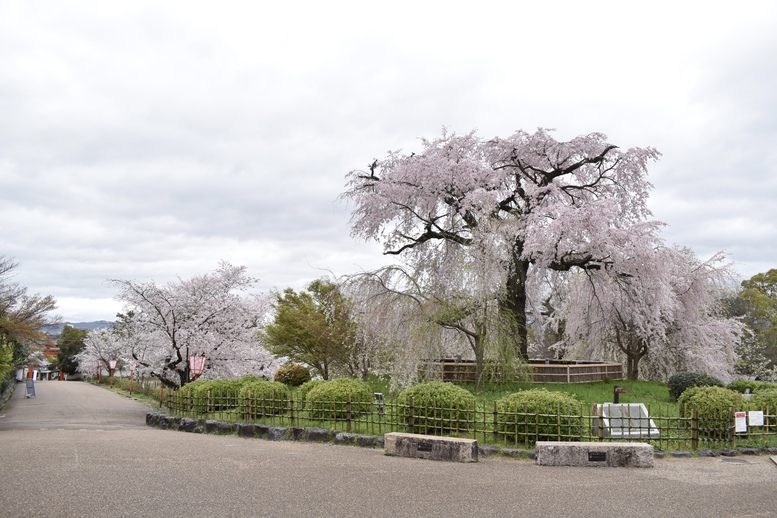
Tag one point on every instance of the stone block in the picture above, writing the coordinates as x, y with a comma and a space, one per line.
611, 454
430, 447
512, 452
680, 454
187, 424
706, 453
277, 433
218, 426
297, 433
318, 435
246, 430
345, 438
485, 451
366, 441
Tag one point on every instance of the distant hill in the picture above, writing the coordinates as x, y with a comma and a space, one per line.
56, 329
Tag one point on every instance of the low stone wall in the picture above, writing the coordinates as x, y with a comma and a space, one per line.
7, 391
273, 433
611, 454
431, 447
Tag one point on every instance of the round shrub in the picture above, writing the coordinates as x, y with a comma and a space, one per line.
292, 375
438, 407
742, 386
766, 400
200, 396
540, 415
681, 381
338, 399
263, 398
306, 387
713, 408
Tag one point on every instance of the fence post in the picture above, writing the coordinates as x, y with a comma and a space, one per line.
732, 429
412, 414
496, 423
189, 403
600, 418
247, 415
161, 394
348, 415
694, 429
291, 409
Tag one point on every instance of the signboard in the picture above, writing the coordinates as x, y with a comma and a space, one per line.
112, 364
30, 387
740, 421
755, 418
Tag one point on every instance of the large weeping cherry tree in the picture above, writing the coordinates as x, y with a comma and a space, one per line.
520, 205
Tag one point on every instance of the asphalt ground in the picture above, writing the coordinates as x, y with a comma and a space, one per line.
80, 450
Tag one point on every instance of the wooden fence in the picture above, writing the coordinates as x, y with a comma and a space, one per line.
538, 371
482, 421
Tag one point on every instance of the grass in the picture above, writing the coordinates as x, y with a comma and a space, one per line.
647, 392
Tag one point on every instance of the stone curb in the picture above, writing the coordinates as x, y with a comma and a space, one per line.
164, 421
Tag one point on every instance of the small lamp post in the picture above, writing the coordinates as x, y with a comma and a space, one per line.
196, 365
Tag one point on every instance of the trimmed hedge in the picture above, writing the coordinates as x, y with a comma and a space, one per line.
292, 375
742, 386
306, 387
713, 407
682, 381
224, 393
263, 398
338, 399
765, 399
540, 415
438, 407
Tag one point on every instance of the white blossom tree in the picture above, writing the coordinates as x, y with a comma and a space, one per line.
518, 206
661, 312
101, 346
212, 315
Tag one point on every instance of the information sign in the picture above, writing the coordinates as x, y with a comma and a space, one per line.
740, 420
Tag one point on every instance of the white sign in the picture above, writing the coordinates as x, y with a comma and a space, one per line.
755, 418
112, 363
741, 421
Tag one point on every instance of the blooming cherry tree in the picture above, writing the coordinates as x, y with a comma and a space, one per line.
517, 206
661, 312
212, 315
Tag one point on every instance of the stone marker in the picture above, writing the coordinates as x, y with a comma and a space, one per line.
430, 447
611, 454
625, 421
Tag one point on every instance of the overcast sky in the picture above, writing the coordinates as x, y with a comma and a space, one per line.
149, 140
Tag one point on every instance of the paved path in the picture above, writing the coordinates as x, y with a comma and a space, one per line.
79, 450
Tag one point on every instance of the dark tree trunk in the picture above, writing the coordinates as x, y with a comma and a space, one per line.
635, 349
514, 302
